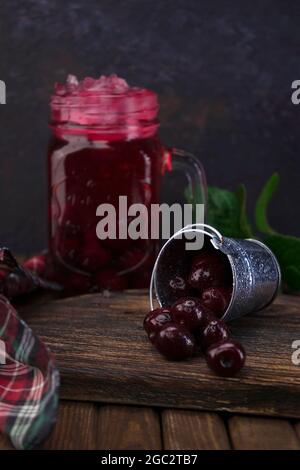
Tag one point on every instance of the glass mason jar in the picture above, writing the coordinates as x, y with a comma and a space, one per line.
104, 145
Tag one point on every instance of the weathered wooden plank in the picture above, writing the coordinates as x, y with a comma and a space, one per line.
188, 430
128, 428
76, 428
297, 429
104, 355
249, 433
5, 443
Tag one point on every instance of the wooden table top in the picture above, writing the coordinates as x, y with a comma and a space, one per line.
103, 425
90, 426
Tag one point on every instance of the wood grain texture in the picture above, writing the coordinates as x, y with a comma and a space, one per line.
5, 443
128, 428
249, 433
297, 429
76, 428
188, 430
103, 355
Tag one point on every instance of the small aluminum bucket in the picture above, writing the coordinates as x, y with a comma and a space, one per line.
255, 271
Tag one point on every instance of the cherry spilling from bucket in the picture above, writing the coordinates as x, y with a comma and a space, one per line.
192, 324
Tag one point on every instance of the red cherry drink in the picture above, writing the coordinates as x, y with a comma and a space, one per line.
104, 145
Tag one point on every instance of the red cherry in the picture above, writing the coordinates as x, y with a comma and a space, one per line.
214, 332
154, 321
88, 254
226, 358
191, 313
52, 270
69, 229
93, 258
208, 270
67, 240
178, 286
36, 264
117, 245
140, 280
76, 283
132, 258
14, 285
175, 342
68, 248
110, 279
217, 299
3, 274
70, 214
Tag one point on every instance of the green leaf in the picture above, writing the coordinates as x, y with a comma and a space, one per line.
226, 211
287, 251
292, 279
223, 212
286, 248
245, 227
263, 202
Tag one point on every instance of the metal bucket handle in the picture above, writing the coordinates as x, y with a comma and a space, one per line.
205, 229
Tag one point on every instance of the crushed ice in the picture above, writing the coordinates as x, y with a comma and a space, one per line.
111, 84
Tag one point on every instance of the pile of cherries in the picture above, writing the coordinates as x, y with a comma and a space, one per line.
193, 323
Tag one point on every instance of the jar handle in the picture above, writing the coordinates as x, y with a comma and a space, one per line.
191, 167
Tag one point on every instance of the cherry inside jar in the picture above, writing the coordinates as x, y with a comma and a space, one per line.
104, 145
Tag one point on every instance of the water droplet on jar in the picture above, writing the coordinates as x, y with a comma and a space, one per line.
71, 229
147, 193
90, 184
71, 198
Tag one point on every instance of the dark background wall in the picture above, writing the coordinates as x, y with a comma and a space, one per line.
223, 70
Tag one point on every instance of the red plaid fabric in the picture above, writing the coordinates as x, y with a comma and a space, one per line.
29, 382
